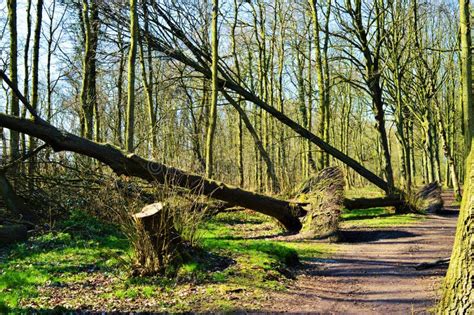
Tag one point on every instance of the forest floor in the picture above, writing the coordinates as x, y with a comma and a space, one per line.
249, 265
373, 270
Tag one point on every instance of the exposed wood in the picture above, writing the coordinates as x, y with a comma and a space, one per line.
325, 197
160, 236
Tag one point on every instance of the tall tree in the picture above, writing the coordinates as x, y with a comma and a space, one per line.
147, 78
132, 55
26, 79
35, 73
322, 72
368, 37
88, 90
14, 103
458, 294
213, 111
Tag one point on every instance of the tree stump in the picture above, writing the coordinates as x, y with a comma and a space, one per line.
157, 242
13, 233
15, 204
430, 195
325, 194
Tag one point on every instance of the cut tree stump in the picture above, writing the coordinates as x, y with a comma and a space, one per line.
158, 240
324, 193
13, 233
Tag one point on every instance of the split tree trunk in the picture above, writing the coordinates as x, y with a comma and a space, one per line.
324, 193
431, 197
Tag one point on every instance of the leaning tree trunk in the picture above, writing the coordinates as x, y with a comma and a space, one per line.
133, 165
227, 82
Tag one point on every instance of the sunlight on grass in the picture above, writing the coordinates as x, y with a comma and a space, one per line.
377, 217
44, 272
364, 192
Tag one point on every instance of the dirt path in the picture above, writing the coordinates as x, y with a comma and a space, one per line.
375, 274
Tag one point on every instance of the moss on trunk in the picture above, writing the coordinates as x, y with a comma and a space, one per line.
457, 288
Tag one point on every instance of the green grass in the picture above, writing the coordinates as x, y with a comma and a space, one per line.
377, 217
85, 264
56, 258
364, 192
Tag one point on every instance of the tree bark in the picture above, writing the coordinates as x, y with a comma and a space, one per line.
14, 103
458, 294
130, 119
213, 111
132, 165
35, 73
366, 203
88, 97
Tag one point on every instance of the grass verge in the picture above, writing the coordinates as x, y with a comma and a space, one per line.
377, 218
84, 265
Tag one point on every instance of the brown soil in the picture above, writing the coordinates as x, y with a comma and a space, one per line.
375, 272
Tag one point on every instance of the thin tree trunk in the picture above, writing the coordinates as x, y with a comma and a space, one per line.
213, 110
26, 79
130, 119
258, 143
118, 127
147, 78
323, 79
35, 73
14, 103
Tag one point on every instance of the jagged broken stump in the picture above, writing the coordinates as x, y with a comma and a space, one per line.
324, 194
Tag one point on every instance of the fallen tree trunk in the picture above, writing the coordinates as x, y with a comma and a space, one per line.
227, 82
123, 163
366, 203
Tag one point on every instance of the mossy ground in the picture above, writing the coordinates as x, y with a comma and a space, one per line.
377, 218
374, 217
84, 264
